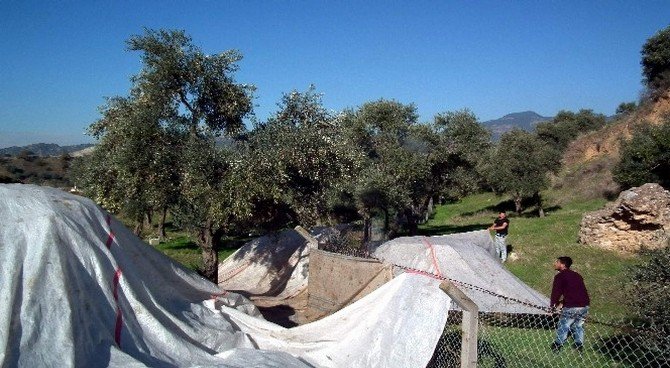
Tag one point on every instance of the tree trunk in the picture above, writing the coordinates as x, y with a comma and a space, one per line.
210, 240
366, 228
388, 232
517, 203
412, 221
139, 225
538, 201
147, 222
161, 225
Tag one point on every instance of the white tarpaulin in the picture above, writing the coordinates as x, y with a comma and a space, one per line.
79, 289
467, 258
273, 266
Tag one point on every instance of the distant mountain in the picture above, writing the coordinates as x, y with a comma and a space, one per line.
523, 120
44, 149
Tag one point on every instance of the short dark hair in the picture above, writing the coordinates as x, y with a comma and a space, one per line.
567, 261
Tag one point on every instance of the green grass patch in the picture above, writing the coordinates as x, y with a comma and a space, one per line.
536, 242
180, 245
184, 250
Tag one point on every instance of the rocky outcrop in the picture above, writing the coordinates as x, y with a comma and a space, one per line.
638, 219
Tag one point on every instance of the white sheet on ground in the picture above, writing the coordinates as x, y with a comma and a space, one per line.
271, 266
75, 296
465, 257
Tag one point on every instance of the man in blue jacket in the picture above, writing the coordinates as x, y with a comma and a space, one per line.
569, 295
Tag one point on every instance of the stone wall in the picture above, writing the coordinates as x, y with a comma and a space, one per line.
639, 218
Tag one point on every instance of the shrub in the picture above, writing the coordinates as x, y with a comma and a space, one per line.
650, 296
645, 158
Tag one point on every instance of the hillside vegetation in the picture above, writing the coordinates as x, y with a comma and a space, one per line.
28, 168
589, 160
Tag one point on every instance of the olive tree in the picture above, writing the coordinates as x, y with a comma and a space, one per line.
183, 98
458, 152
656, 60
133, 168
395, 180
303, 159
518, 165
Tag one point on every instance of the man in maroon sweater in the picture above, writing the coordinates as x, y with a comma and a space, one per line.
569, 293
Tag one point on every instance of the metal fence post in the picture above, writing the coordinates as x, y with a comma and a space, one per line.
469, 325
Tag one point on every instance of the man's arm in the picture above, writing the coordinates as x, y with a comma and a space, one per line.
494, 227
556, 291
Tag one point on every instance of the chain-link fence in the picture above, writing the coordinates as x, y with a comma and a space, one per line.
525, 340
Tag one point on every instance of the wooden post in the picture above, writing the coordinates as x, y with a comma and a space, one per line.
313, 243
469, 325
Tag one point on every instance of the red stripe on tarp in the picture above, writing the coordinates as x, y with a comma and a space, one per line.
110, 240
424, 273
115, 286
119, 316
234, 272
434, 258
117, 328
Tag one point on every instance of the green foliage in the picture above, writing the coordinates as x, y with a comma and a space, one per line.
157, 146
567, 125
395, 180
32, 169
656, 60
133, 169
197, 89
519, 165
650, 297
645, 158
458, 153
301, 160
625, 108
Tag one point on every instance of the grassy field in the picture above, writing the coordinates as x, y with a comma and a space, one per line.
181, 248
536, 242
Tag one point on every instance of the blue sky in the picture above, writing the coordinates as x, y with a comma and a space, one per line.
60, 59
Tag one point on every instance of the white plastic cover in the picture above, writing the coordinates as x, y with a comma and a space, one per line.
467, 258
79, 289
273, 266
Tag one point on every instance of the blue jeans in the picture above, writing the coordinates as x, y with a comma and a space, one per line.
572, 319
501, 247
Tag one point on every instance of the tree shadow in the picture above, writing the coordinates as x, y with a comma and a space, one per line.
508, 206
632, 348
535, 213
450, 229
279, 314
181, 244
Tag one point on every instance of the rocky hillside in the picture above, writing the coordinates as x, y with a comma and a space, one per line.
588, 160
43, 149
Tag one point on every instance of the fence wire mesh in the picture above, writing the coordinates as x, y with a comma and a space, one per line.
525, 340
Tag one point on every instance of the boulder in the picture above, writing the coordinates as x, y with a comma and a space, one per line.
638, 219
